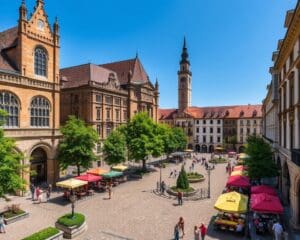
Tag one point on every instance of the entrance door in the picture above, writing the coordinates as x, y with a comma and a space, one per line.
38, 166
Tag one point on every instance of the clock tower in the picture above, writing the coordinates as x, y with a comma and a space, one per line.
184, 80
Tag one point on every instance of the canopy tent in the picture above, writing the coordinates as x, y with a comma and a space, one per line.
219, 148
71, 183
237, 173
232, 202
238, 181
266, 203
97, 171
89, 178
232, 152
244, 156
120, 168
240, 168
112, 174
263, 189
189, 150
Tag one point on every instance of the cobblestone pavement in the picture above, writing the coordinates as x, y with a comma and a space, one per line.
134, 212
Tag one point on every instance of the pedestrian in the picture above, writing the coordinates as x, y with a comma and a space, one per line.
278, 230
163, 187
175, 173
2, 225
203, 231
38, 194
109, 189
196, 233
171, 173
181, 225
179, 197
32, 191
48, 192
176, 232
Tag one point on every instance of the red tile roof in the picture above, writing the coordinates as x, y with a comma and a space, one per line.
122, 68
238, 111
81, 75
8, 40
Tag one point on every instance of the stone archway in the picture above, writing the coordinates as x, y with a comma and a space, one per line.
190, 146
211, 148
204, 148
241, 149
38, 166
198, 148
286, 182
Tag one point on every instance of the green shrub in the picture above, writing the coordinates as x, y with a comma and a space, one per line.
194, 175
68, 221
10, 214
43, 234
182, 180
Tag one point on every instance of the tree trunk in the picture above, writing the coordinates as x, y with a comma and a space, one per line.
78, 170
144, 165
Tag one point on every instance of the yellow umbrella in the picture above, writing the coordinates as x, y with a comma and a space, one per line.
243, 156
97, 171
232, 202
71, 183
119, 168
237, 172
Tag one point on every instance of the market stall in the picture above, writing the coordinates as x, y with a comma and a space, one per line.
237, 173
232, 206
263, 189
240, 168
238, 181
97, 171
93, 181
119, 168
113, 177
73, 186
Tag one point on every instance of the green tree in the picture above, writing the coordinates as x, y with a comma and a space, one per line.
10, 163
260, 164
179, 138
182, 180
142, 139
114, 148
77, 145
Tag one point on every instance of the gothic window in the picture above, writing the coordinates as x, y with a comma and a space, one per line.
40, 61
39, 112
10, 104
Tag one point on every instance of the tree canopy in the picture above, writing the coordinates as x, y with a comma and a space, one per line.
77, 145
10, 164
114, 148
260, 164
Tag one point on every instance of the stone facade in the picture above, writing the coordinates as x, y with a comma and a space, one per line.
286, 70
29, 90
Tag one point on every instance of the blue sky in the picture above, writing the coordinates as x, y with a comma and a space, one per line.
230, 42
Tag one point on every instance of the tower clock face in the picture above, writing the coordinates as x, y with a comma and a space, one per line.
40, 25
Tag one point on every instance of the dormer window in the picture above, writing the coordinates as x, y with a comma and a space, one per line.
40, 61
241, 113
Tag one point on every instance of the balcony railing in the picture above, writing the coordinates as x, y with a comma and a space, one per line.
296, 156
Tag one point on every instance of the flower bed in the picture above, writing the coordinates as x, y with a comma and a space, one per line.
14, 213
195, 177
71, 226
218, 160
49, 233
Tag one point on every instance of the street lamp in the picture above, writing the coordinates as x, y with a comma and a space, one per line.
72, 199
208, 173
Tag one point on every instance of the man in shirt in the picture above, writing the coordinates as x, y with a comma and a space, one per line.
277, 228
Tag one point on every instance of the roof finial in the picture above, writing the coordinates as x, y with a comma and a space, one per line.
136, 54
184, 42
38, 2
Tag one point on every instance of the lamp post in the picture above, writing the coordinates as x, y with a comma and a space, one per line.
208, 190
72, 199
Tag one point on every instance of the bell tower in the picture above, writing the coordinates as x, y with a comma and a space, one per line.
184, 80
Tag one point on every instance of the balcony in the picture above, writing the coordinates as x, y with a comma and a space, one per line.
296, 156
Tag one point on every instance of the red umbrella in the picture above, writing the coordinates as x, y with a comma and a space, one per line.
239, 168
266, 203
263, 189
238, 181
89, 178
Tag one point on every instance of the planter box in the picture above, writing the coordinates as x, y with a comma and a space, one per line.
195, 180
71, 232
16, 218
173, 193
58, 236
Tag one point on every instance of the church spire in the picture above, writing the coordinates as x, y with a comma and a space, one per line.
184, 54
23, 11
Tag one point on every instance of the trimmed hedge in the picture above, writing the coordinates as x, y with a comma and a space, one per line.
68, 221
190, 189
43, 234
194, 175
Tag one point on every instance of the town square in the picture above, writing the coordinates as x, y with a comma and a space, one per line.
143, 120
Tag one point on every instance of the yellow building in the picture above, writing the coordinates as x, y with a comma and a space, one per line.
29, 90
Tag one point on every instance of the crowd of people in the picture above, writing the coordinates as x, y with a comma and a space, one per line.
37, 194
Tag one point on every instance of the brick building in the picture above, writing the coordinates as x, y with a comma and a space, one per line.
29, 90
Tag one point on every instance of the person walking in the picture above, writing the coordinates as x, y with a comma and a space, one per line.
179, 197
109, 189
2, 225
181, 225
163, 187
48, 191
176, 232
38, 194
203, 231
278, 230
196, 233
171, 173
32, 191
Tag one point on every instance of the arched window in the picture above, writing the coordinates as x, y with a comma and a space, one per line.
40, 61
10, 104
39, 112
